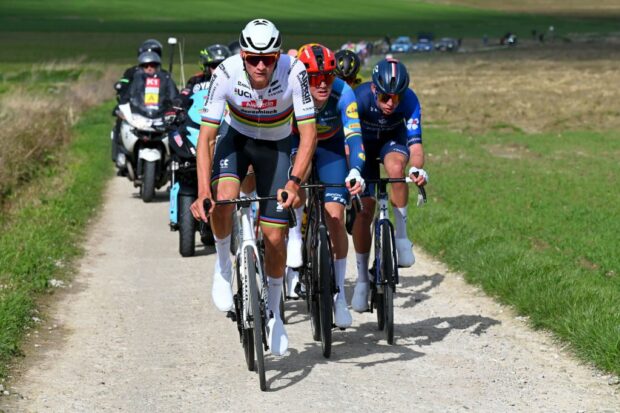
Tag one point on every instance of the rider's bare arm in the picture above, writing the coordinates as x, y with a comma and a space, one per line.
204, 162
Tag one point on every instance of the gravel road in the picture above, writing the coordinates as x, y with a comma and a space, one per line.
136, 332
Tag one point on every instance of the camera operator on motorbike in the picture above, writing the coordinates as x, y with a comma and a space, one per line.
121, 86
390, 117
337, 125
262, 89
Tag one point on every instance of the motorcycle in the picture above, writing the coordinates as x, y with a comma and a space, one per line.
184, 191
145, 154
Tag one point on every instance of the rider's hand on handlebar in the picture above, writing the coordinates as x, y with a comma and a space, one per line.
360, 184
290, 199
418, 176
198, 210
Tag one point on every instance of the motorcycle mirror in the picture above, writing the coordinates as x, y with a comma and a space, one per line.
172, 40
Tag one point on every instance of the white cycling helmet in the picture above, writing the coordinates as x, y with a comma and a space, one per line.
260, 36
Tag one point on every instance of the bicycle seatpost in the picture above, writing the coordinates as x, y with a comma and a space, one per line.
292, 220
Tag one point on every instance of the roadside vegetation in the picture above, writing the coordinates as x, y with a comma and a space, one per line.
522, 145
524, 168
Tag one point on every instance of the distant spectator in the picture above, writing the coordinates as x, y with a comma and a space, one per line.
541, 37
534, 34
485, 40
459, 42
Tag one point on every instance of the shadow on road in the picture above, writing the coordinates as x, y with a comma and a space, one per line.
417, 287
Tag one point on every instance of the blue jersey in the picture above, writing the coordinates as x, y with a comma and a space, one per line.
338, 122
405, 123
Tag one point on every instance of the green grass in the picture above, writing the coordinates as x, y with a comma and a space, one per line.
40, 241
100, 30
538, 230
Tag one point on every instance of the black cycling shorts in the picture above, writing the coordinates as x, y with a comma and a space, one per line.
235, 152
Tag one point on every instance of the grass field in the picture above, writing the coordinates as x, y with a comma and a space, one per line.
522, 144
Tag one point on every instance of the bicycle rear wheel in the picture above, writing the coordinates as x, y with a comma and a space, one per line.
387, 269
325, 292
257, 315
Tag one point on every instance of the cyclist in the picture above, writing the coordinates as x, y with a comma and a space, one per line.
390, 117
337, 126
348, 65
262, 89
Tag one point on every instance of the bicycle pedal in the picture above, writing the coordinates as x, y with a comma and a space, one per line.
232, 315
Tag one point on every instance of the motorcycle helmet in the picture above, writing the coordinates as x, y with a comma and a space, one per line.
390, 77
149, 57
260, 36
150, 45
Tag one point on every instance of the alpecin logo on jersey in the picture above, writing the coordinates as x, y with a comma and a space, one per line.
305, 89
264, 104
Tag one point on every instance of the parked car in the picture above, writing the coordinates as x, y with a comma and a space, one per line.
402, 44
423, 45
447, 44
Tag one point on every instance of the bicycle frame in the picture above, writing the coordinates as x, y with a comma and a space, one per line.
381, 217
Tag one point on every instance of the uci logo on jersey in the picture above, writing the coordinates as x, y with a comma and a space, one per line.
243, 93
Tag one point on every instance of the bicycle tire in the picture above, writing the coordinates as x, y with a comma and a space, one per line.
325, 292
387, 269
310, 278
257, 316
247, 335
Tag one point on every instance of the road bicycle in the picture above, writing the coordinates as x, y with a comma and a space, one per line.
250, 301
384, 272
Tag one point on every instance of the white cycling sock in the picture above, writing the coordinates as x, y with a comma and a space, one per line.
400, 222
275, 292
295, 232
362, 267
340, 267
223, 265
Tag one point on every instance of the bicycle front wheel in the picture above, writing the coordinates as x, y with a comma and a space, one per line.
326, 291
387, 274
247, 336
257, 315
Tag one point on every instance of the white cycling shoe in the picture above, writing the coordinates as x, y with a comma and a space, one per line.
359, 302
221, 292
293, 253
277, 337
404, 252
292, 279
342, 315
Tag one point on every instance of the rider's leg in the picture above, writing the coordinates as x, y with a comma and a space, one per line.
294, 244
334, 215
249, 183
362, 239
271, 162
229, 167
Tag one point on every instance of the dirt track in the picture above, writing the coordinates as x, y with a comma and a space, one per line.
136, 331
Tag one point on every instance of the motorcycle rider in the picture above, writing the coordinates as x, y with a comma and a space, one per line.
390, 116
263, 90
121, 86
337, 125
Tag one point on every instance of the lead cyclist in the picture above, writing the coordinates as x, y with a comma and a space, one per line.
263, 89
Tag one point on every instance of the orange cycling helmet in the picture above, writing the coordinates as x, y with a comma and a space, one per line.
317, 58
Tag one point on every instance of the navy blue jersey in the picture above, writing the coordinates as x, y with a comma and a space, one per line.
405, 122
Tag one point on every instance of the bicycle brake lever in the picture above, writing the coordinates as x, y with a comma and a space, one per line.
292, 219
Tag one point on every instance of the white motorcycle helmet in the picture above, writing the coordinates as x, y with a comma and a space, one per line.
260, 36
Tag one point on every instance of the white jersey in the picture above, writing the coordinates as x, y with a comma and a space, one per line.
264, 113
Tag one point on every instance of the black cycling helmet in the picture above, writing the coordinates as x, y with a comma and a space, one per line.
149, 57
390, 76
234, 47
212, 56
150, 45
348, 64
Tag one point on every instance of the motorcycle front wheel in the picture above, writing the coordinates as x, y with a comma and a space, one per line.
147, 191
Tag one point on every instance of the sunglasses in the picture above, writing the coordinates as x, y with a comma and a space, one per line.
385, 97
146, 65
315, 79
255, 59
